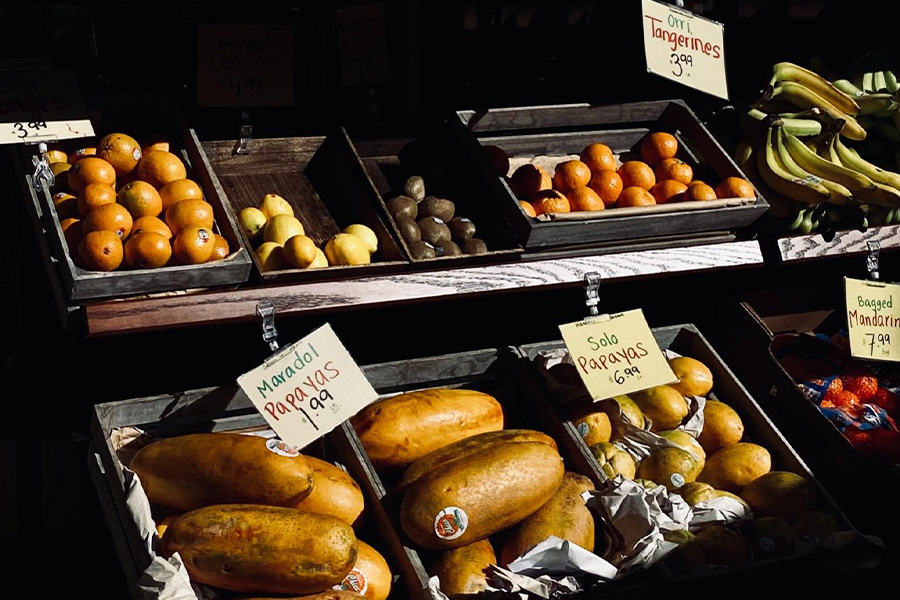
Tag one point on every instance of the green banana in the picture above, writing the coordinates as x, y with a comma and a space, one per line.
804, 97
848, 88
868, 82
855, 162
866, 122
878, 82
881, 216
888, 130
888, 112
872, 103
891, 80
799, 127
789, 72
776, 177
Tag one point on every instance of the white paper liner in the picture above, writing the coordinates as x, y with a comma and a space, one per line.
503, 583
555, 556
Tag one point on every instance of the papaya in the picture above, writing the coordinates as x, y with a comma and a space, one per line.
370, 577
334, 492
564, 515
469, 499
262, 549
467, 446
461, 570
399, 430
202, 469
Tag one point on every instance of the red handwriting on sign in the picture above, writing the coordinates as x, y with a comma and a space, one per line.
602, 362
311, 392
678, 40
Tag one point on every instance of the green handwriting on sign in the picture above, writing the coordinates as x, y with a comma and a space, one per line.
873, 319
616, 354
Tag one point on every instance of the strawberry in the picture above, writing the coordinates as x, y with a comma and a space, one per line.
864, 386
840, 399
887, 400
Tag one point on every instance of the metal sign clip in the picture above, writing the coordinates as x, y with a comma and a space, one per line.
872, 259
243, 143
266, 313
42, 173
592, 292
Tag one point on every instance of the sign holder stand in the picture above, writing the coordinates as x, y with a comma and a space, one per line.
592, 292
42, 173
873, 260
266, 312
245, 134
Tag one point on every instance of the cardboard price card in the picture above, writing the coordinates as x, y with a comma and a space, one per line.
41, 105
309, 388
616, 354
873, 319
684, 47
362, 45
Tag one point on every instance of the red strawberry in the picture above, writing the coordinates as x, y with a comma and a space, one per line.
839, 399
864, 386
887, 400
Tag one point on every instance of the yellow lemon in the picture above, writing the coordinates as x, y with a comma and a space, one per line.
300, 251
271, 256
320, 262
366, 235
273, 204
253, 221
347, 249
281, 228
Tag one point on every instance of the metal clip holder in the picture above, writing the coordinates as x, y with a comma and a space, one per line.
266, 313
243, 143
872, 260
592, 292
42, 173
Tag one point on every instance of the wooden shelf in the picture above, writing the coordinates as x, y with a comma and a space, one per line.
811, 247
208, 308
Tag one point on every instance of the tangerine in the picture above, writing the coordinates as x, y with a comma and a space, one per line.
189, 212
94, 196
178, 190
674, 168
101, 251
140, 199
598, 157
66, 205
571, 174
528, 208
148, 250
668, 190
55, 155
635, 196
60, 172
658, 146
498, 158
194, 245
73, 233
220, 248
735, 187
637, 173
584, 198
74, 157
530, 179
154, 224
121, 151
109, 217
550, 201
608, 186
159, 145
159, 168
90, 170
700, 191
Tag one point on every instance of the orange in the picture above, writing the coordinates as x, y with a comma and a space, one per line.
178, 190
109, 217
668, 190
498, 158
528, 208
73, 233
140, 198
584, 198
121, 151
598, 157
55, 155
674, 168
637, 173
697, 182
528, 180
159, 168
571, 174
149, 250
550, 201
159, 145
154, 224
220, 248
101, 251
658, 146
66, 205
700, 191
90, 170
60, 172
608, 186
635, 196
189, 212
93, 196
74, 157
194, 245
735, 187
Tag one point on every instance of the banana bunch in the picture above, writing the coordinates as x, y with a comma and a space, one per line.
878, 95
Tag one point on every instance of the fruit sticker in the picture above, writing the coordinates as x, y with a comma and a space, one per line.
451, 523
677, 480
280, 448
583, 429
355, 581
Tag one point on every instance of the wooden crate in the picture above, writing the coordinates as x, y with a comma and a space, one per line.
688, 341
161, 116
324, 182
209, 410
564, 130
447, 175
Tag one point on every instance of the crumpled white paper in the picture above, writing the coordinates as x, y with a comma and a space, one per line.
556, 556
433, 590
503, 583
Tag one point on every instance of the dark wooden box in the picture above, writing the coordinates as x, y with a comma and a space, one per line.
566, 129
324, 182
688, 341
158, 115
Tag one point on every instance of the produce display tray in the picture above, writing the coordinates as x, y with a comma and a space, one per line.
687, 340
325, 183
211, 410
159, 115
566, 129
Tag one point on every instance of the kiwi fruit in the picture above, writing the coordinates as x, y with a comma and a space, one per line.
421, 250
434, 231
432, 206
474, 246
409, 231
451, 249
461, 229
403, 206
415, 188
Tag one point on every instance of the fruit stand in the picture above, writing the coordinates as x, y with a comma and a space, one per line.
155, 267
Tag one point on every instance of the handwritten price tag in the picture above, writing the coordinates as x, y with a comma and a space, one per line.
308, 388
873, 319
684, 47
41, 105
616, 354
362, 45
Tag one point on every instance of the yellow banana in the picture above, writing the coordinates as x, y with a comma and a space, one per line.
881, 195
776, 177
837, 193
853, 161
785, 71
826, 169
745, 157
800, 95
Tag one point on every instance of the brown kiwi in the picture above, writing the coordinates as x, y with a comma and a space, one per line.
474, 246
432, 206
461, 229
421, 250
415, 188
451, 249
434, 231
409, 231
403, 206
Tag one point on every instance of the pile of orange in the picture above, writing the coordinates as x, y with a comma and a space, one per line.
597, 181
118, 202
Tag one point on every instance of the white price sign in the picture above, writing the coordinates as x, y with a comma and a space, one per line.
41, 105
309, 388
684, 47
873, 320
